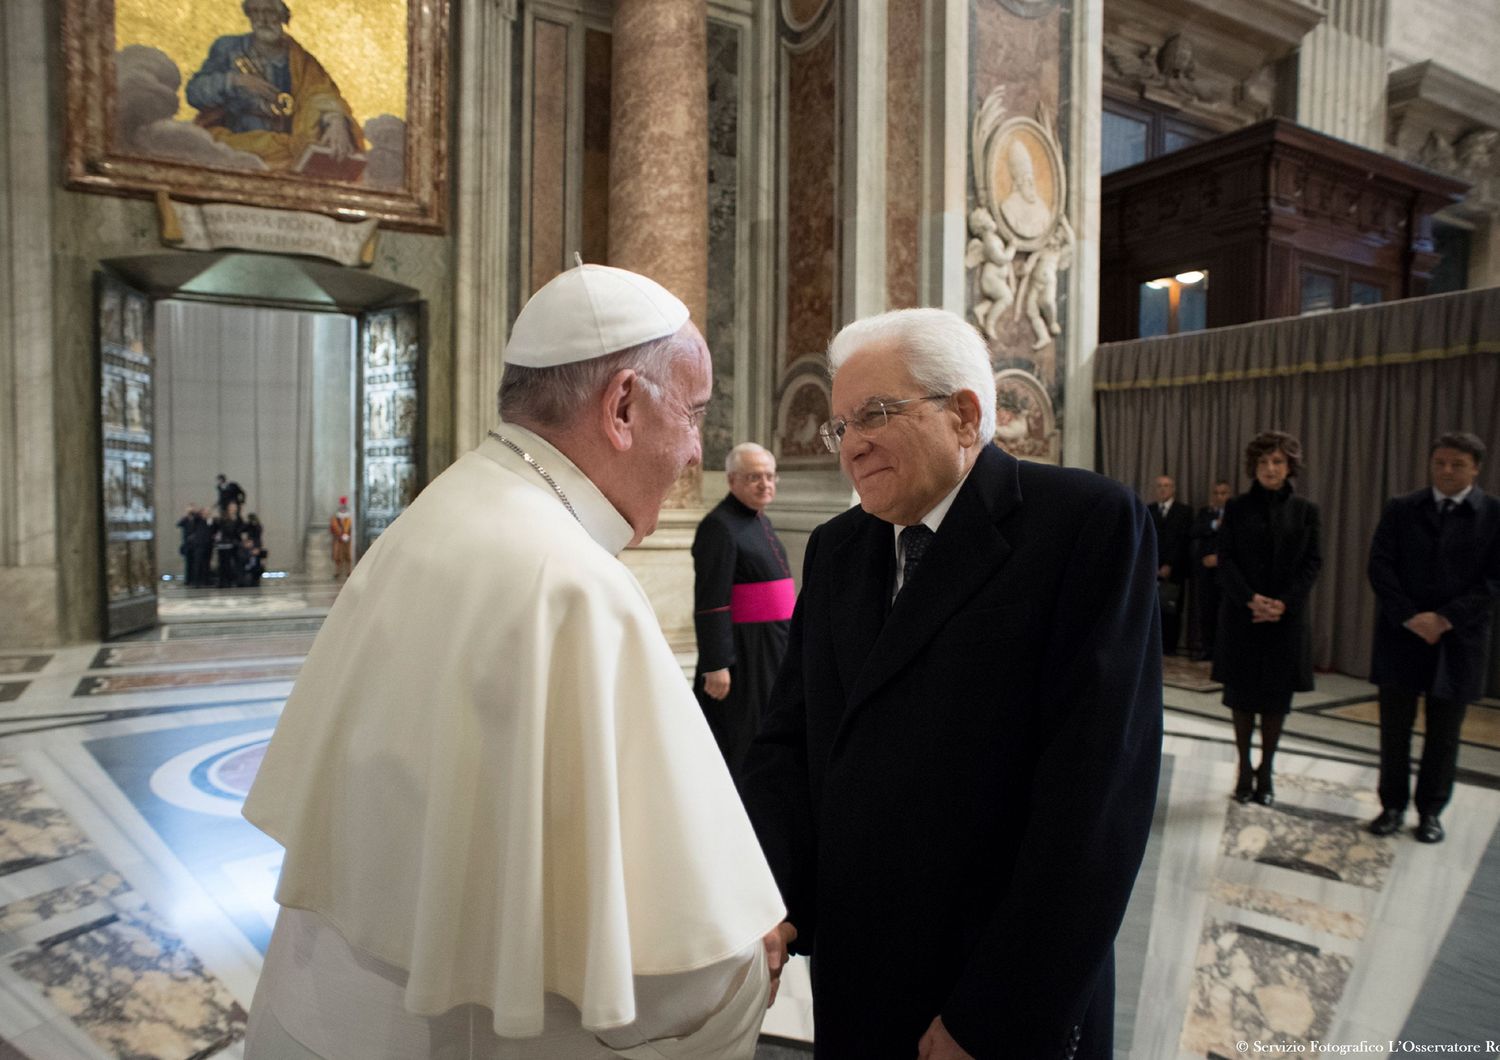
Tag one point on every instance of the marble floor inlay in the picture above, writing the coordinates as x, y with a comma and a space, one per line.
174, 653
115, 684
1319, 842
1481, 722
23, 664
134, 988
1192, 675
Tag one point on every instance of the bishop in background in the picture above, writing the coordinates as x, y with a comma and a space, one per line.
508, 831
744, 594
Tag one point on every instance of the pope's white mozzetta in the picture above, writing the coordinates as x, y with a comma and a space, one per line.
591, 311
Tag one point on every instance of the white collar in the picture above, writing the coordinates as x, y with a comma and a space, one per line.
933, 519
599, 517
1438, 496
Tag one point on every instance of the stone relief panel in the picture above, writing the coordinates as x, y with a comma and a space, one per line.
805, 403
1020, 242
1025, 418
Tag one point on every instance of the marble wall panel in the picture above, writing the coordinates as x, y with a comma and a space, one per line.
812, 177
1030, 58
549, 151
724, 100
594, 234
903, 152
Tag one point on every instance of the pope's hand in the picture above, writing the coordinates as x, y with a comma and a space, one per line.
938, 1044
716, 683
777, 940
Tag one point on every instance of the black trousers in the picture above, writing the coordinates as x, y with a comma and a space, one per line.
1445, 717
1206, 607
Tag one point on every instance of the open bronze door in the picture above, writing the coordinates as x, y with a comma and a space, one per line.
127, 466
392, 362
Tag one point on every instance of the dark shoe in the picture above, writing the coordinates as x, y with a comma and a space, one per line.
1428, 829
1388, 823
1243, 788
1265, 791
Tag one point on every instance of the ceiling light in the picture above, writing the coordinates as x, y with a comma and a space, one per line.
1157, 285
1189, 277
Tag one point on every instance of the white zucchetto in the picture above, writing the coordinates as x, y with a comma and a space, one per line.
588, 312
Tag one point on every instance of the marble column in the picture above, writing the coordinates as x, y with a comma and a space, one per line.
658, 158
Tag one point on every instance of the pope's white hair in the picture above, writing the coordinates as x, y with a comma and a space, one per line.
942, 351
551, 397
736, 457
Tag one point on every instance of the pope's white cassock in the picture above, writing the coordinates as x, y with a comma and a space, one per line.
508, 830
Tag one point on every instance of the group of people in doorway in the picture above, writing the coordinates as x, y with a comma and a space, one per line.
220, 546
1254, 560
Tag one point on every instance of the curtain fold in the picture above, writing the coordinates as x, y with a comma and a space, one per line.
239, 399
1366, 390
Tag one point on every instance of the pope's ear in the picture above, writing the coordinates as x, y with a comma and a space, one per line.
619, 408
966, 404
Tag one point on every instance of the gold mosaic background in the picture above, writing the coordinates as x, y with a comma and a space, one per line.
361, 43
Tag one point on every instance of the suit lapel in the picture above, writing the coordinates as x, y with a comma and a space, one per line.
861, 600
967, 551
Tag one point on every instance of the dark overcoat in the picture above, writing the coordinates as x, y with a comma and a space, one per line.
1173, 533
1423, 561
955, 790
1269, 543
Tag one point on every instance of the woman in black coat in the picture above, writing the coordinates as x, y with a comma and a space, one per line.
1268, 560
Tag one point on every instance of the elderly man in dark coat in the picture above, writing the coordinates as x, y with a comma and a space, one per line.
1435, 566
1174, 524
955, 779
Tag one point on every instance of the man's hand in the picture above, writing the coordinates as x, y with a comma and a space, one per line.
1164, 571
1265, 609
777, 940
938, 1044
264, 92
1429, 625
1211, 560
336, 136
716, 686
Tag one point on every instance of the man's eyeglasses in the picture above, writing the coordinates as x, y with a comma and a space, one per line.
872, 415
757, 477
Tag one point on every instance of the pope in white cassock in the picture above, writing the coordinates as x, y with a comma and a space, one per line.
508, 831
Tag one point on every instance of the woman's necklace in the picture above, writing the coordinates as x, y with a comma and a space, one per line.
548, 479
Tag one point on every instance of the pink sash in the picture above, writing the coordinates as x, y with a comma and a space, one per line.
763, 601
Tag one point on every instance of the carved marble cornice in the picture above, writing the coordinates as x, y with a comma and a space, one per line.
1448, 123
1212, 59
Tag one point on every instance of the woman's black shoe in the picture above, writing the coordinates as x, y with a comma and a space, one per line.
1243, 788
1265, 792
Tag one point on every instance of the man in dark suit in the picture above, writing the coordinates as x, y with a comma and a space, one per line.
1435, 566
1204, 539
229, 493
1174, 522
955, 778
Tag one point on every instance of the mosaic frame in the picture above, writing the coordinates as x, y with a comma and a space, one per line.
95, 163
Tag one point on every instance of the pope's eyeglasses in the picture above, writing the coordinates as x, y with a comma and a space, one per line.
872, 415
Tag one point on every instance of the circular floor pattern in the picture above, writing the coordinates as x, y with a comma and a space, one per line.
214, 777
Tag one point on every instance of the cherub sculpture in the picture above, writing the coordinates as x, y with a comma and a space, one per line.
1038, 284
997, 277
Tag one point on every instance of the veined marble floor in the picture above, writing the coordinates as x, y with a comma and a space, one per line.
135, 903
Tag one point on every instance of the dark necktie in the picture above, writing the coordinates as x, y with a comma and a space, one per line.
1446, 508
914, 542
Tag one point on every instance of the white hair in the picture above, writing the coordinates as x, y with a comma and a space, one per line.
942, 351
736, 458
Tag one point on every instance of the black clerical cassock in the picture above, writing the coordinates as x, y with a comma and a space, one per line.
743, 607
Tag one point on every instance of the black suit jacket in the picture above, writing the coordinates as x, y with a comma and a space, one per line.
1416, 564
1204, 538
955, 790
1172, 535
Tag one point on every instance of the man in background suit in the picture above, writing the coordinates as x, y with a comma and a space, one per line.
1173, 522
1435, 566
1204, 539
955, 778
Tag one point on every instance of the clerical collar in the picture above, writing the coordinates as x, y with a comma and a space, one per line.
1438, 496
596, 514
